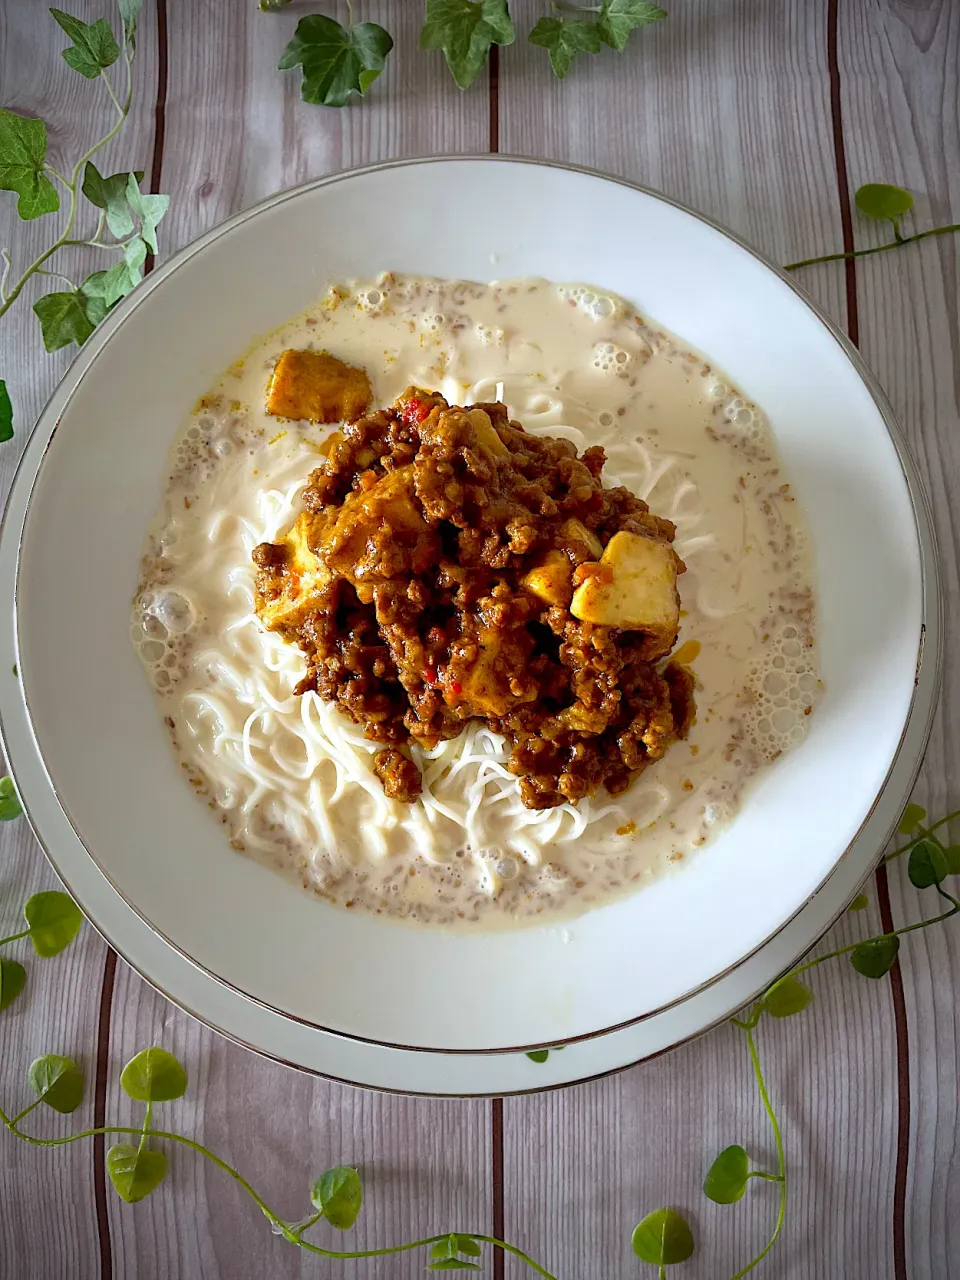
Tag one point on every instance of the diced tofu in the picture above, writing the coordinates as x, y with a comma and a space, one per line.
550, 579
302, 577
638, 591
486, 692
581, 538
372, 525
313, 386
486, 433
493, 684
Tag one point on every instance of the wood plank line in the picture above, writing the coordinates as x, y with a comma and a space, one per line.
235, 131
494, 74
100, 1188
49, 1228
100, 1112
843, 184
900, 67
496, 1178
160, 110
898, 1206
726, 108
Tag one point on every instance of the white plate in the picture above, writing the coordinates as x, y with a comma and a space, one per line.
99, 737
404, 1070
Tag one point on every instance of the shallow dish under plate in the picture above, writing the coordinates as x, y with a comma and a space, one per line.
102, 765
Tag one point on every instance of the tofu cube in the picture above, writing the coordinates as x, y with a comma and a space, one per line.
372, 528
312, 386
550, 581
301, 576
635, 590
582, 540
486, 433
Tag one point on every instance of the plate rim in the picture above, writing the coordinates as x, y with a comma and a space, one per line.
548, 1079
930, 572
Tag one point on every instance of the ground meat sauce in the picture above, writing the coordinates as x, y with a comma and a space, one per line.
429, 582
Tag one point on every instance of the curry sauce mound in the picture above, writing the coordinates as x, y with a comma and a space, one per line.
450, 567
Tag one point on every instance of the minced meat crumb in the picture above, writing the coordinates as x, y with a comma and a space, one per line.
429, 581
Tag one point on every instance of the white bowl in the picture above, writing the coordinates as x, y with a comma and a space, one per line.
107, 754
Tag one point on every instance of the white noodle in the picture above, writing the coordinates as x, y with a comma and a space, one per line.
292, 774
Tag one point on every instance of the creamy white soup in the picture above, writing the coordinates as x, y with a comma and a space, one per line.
291, 778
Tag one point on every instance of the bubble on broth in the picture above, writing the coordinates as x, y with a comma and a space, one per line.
746, 418
266, 779
782, 690
610, 358
372, 301
598, 306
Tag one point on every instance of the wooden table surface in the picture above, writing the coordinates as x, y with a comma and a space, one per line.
766, 115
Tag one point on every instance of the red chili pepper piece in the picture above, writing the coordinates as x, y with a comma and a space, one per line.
414, 412
430, 675
456, 688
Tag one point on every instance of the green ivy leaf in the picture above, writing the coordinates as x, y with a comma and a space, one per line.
110, 194
106, 288
452, 1264
273, 6
726, 1179
148, 208
337, 61
23, 150
469, 1246
13, 978
465, 30
928, 864
454, 1244
860, 903
338, 1195
129, 10
538, 1055
875, 957
9, 800
619, 17
911, 819
154, 1076
54, 919
951, 853
134, 1173
564, 40
787, 997
57, 1081
663, 1238
64, 319
885, 203
6, 433
93, 49
135, 255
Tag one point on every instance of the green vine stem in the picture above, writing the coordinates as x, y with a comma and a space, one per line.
781, 1174
844, 951
922, 834
7, 299
15, 937
793, 997
897, 243
292, 1235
